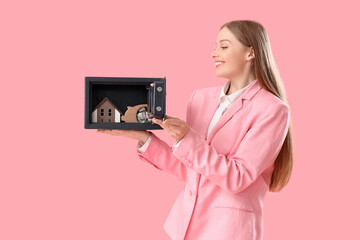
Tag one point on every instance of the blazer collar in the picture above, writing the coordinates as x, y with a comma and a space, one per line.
232, 97
248, 93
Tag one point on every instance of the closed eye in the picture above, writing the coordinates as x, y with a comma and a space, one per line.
220, 47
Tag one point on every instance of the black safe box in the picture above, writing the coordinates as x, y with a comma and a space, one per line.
124, 102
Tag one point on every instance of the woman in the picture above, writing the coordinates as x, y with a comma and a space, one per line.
234, 146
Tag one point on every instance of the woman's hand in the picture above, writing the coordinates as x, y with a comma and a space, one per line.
140, 135
175, 127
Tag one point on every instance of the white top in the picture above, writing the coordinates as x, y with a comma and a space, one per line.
225, 102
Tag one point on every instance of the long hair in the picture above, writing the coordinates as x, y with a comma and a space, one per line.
253, 34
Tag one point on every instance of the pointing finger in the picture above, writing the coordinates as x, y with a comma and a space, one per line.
173, 121
158, 121
169, 117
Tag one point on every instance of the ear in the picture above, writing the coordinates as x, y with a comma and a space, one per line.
251, 54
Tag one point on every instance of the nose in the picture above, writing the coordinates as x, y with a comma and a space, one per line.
213, 53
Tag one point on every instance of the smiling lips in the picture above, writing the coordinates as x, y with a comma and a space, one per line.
217, 64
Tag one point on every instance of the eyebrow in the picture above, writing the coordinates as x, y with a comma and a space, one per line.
223, 40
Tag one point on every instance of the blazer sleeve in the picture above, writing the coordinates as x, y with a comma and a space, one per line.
159, 154
256, 152
143, 146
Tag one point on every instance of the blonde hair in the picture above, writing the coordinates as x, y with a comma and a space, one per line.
253, 34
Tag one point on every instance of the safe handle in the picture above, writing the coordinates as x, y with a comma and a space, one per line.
157, 100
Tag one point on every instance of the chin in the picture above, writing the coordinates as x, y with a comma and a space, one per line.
221, 74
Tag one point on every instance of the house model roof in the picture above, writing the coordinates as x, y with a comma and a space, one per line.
104, 100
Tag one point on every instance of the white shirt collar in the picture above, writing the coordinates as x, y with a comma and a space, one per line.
232, 97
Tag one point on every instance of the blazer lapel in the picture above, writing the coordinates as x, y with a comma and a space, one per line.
234, 107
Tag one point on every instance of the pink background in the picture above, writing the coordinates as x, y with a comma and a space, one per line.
61, 181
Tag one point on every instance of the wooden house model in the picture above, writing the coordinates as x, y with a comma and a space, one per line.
106, 111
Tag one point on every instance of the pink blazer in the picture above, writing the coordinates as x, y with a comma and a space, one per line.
227, 174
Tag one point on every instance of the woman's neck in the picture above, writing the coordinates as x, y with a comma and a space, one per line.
239, 82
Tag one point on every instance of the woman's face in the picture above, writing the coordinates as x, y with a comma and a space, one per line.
231, 53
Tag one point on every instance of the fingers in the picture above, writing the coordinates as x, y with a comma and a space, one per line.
168, 126
161, 123
168, 122
157, 121
173, 121
107, 131
112, 131
175, 127
168, 117
102, 131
